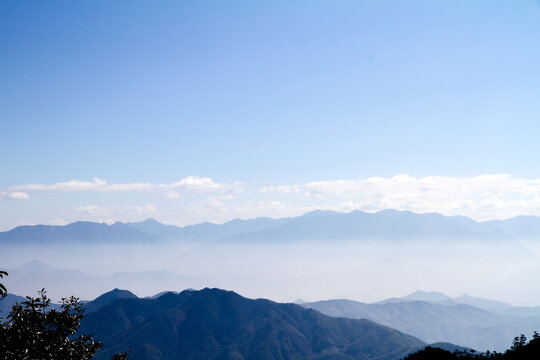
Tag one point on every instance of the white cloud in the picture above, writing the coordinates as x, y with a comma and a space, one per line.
14, 195
93, 210
170, 194
169, 191
210, 208
480, 197
112, 213
263, 208
281, 189
204, 184
220, 209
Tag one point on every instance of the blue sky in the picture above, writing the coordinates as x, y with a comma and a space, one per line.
255, 95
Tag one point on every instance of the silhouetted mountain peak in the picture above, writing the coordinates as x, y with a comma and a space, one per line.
160, 294
109, 297
482, 303
395, 212
434, 321
317, 213
116, 292
219, 324
389, 224
34, 265
85, 224
151, 221
429, 296
212, 293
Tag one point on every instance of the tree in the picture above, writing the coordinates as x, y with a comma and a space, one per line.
34, 331
429, 353
518, 342
520, 350
3, 291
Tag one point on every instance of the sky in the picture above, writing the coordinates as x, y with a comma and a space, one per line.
193, 111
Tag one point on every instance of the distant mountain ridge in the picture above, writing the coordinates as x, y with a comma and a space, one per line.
436, 317
77, 232
219, 324
440, 298
34, 275
383, 225
149, 231
441, 325
316, 225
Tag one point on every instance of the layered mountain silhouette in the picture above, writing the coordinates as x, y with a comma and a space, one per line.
107, 298
35, 275
206, 231
442, 323
148, 231
440, 298
316, 225
218, 324
522, 227
81, 232
419, 295
385, 225
435, 317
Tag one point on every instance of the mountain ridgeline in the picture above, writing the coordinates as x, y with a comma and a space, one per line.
477, 323
316, 225
435, 322
35, 275
219, 324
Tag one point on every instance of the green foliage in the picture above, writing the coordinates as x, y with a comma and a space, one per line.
34, 331
3, 291
120, 356
431, 353
518, 342
520, 350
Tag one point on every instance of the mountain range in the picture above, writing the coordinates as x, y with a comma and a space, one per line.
432, 317
316, 225
35, 275
219, 324
440, 298
429, 316
435, 317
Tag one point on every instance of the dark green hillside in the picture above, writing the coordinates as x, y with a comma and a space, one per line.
218, 324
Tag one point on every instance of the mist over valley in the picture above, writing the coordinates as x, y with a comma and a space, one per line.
320, 255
